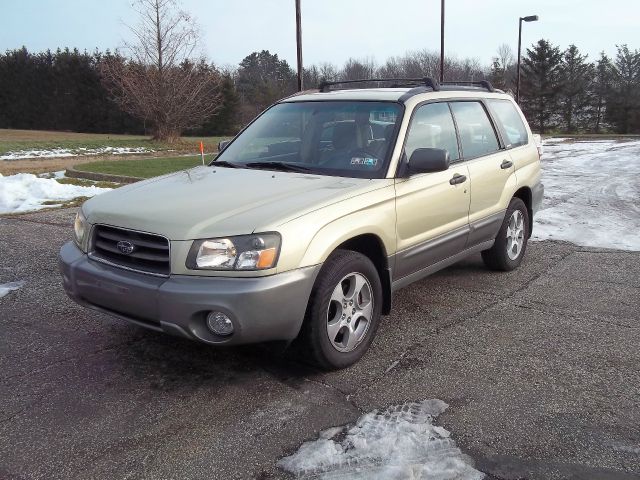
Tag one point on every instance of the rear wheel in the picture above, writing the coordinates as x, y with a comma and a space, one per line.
343, 312
508, 250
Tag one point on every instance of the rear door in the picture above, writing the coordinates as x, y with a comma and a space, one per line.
491, 170
514, 132
431, 210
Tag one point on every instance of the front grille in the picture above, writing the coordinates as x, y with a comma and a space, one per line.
150, 252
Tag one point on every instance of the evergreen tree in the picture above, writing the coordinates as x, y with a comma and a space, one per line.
599, 92
623, 100
541, 84
261, 80
577, 77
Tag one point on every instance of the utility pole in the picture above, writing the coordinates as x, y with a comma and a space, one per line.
442, 41
299, 44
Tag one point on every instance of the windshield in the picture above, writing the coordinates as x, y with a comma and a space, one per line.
349, 139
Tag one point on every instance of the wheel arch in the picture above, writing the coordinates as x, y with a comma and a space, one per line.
372, 247
525, 194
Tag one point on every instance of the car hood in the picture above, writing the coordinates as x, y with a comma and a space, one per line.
207, 202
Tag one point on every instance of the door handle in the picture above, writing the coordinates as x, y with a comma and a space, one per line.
457, 178
506, 164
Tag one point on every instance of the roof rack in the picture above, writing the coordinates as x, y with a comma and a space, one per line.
486, 84
404, 82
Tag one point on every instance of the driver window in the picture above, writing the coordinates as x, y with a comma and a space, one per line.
432, 127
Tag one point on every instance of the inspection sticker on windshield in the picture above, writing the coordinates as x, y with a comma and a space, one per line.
364, 161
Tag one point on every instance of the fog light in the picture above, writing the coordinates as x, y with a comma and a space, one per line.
219, 324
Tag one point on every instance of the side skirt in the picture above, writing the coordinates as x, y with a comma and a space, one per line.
425, 272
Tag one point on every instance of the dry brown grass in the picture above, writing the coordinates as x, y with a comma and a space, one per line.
15, 140
52, 136
43, 165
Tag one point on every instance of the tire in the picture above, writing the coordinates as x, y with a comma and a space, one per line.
332, 336
509, 248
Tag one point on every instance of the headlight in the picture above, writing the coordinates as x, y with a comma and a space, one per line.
79, 229
245, 252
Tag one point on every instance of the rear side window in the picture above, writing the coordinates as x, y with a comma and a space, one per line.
477, 135
432, 127
511, 122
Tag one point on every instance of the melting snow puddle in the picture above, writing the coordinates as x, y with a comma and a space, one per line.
5, 288
71, 152
25, 192
591, 193
400, 442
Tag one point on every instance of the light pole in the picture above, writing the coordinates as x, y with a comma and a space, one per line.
530, 18
299, 44
442, 41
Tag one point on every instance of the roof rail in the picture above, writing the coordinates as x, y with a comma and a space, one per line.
404, 82
486, 84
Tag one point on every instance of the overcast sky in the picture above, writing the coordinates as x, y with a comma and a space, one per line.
334, 30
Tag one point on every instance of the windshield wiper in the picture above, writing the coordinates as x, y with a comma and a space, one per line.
224, 163
282, 166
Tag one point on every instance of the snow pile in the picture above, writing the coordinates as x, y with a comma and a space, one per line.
5, 288
72, 152
591, 193
400, 442
24, 192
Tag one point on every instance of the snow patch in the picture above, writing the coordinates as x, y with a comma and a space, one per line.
5, 288
24, 192
72, 152
57, 175
591, 193
400, 442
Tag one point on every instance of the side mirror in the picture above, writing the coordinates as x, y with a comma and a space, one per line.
223, 144
427, 160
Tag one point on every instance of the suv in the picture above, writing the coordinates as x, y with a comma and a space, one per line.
312, 216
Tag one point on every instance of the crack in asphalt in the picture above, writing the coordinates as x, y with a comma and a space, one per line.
346, 395
460, 321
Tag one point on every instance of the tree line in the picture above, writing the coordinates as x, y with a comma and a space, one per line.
563, 91
71, 90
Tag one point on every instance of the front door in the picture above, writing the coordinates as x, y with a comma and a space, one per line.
432, 208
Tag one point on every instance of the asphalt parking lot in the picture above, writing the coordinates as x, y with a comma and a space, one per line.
540, 367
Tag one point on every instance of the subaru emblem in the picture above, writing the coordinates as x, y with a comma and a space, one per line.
125, 247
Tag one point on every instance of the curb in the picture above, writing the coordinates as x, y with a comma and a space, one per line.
100, 177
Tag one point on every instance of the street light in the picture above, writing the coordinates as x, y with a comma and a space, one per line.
530, 18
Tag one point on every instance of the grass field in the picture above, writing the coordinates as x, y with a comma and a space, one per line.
143, 167
18, 140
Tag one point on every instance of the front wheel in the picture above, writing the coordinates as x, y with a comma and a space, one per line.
343, 312
508, 250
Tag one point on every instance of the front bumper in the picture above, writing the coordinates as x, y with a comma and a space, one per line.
261, 308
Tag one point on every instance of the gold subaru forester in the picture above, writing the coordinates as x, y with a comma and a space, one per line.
312, 216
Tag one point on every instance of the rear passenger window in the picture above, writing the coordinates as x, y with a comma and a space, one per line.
477, 135
432, 127
511, 122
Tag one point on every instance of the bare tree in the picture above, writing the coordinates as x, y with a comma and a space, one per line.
160, 82
505, 55
503, 68
358, 69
